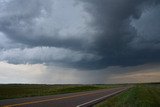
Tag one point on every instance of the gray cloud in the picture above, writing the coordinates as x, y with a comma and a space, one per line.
45, 23
48, 55
116, 34
88, 34
147, 27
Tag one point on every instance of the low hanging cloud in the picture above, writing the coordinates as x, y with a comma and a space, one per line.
45, 54
39, 73
83, 34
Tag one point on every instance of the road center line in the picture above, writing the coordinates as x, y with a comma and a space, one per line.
92, 101
46, 100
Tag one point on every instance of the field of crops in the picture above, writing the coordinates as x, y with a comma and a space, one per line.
142, 95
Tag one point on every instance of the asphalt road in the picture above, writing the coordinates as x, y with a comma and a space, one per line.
80, 99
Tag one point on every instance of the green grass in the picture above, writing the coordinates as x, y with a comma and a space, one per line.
28, 90
144, 95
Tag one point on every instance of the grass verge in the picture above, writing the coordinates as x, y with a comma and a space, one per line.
147, 95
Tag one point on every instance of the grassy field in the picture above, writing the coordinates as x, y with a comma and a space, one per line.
26, 90
144, 95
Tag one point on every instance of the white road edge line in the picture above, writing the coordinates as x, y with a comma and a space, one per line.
100, 98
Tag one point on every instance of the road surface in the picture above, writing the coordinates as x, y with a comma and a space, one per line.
80, 99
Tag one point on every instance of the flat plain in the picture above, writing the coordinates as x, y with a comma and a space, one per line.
10, 91
140, 95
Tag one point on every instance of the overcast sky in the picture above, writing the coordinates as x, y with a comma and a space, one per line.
79, 41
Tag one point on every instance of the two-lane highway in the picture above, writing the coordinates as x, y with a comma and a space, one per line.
80, 99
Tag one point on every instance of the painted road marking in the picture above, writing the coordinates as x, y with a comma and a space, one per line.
101, 98
46, 100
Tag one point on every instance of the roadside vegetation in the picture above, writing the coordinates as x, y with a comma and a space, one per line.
8, 91
141, 95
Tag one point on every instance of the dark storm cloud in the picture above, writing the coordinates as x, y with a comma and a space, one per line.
18, 22
116, 36
108, 32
